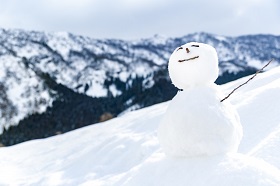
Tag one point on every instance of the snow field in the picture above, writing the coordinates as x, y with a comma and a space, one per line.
125, 150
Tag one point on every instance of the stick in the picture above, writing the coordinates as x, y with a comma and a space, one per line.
247, 80
188, 59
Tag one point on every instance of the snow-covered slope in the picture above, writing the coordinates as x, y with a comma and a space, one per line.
125, 150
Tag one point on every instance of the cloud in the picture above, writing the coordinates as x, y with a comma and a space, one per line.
142, 18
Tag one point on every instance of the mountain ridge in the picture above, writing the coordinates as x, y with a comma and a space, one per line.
42, 74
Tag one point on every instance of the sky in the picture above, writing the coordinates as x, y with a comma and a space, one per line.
134, 19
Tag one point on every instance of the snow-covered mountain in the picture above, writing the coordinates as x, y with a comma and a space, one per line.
51, 83
125, 150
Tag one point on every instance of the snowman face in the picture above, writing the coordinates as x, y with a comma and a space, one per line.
193, 64
187, 57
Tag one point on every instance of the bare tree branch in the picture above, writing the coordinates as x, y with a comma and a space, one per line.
247, 81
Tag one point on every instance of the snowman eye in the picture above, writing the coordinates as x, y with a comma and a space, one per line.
179, 48
195, 45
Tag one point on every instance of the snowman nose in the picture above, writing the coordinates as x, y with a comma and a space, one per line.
187, 50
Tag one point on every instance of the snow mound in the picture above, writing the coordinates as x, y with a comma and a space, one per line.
125, 150
196, 123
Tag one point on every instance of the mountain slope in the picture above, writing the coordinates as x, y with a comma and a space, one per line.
55, 82
124, 150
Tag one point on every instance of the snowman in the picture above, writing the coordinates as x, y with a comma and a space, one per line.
196, 122
199, 134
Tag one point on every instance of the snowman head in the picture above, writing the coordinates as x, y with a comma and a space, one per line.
193, 64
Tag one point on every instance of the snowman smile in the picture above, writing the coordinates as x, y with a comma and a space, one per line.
192, 58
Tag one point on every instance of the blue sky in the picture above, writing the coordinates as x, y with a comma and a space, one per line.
133, 19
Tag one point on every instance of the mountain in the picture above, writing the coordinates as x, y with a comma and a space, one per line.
51, 83
125, 150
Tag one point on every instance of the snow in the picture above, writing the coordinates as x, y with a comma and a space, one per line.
123, 76
79, 65
197, 124
24, 99
158, 39
221, 38
153, 57
230, 68
96, 84
61, 42
258, 97
142, 70
113, 89
97, 89
193, 64
230, 170
255, 63
125, 150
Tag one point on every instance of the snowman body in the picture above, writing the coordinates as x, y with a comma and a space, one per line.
196, 123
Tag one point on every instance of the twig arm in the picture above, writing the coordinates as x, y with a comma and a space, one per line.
246, 81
